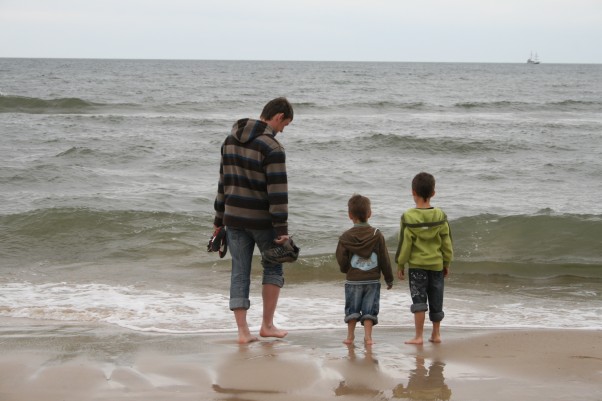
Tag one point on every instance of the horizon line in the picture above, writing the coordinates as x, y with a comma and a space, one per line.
285, 60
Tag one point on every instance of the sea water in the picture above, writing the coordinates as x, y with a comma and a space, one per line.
109, 168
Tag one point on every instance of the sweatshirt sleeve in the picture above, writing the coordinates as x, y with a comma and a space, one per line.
219, 205
277, 189
384, 260
404, 247
343, 257
447, 250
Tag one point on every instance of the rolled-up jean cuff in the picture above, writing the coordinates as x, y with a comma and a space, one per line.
353, 316
274, 280
369, 317
419, 308
437, 316
239, 303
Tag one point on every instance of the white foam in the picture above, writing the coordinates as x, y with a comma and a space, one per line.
133, 308
317, 307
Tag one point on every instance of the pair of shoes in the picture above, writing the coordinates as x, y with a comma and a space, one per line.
286, 252
218, 242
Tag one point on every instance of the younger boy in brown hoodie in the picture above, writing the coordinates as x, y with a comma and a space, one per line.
362, 255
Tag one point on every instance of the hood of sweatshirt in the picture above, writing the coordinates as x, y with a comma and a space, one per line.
424, 223
247, 129
360, 240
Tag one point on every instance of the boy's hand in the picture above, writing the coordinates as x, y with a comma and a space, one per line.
401, 274
445, 271
389, 286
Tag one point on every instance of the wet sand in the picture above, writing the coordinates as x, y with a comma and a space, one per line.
53, 361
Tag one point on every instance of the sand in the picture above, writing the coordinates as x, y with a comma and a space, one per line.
51, 361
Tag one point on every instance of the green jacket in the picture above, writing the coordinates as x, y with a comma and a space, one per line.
425, 240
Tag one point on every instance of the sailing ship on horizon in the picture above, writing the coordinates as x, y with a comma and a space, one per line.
533, 60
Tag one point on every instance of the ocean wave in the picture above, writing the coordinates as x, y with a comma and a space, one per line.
545, 238
76, 105
67, 235
372, 105
543, 243
492, 105
22, 104
385, 106
576, 104
562, 105
413, 143
422, 106
76, 150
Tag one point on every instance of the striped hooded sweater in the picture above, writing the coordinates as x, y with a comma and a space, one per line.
252, 191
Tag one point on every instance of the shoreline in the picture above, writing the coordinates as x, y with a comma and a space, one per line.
55, 361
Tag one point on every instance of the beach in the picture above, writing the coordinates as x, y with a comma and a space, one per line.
108, 176
62, 361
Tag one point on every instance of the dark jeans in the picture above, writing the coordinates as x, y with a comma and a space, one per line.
426, 286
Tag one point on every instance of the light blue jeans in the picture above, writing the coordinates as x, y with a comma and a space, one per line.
362, 301
241, 243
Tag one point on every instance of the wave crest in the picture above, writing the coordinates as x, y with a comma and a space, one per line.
543, 238
71, 234
22, 104
413, 143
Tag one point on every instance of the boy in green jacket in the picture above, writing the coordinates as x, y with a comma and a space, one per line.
425, 244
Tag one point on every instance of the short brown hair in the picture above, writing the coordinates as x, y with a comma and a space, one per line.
424, 185
275, 106
359, 207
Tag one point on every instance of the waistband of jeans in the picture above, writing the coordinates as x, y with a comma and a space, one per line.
362, 282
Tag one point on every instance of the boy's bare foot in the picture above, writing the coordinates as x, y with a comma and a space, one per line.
246, 338
368, 341
435, 339
349, 340
415, 341
272, 331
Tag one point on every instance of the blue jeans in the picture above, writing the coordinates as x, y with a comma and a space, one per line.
427, 286
241, 243
362, 302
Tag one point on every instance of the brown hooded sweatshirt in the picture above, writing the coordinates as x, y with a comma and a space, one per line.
362, 240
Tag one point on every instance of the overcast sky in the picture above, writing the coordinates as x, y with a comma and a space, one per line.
560, 31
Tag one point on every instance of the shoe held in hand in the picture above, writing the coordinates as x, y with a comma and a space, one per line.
285, 252
218, 242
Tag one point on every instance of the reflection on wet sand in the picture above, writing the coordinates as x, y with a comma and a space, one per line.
424, 384
362, 375
265, 368
100, 364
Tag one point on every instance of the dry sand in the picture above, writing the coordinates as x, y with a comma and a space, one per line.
50, 362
